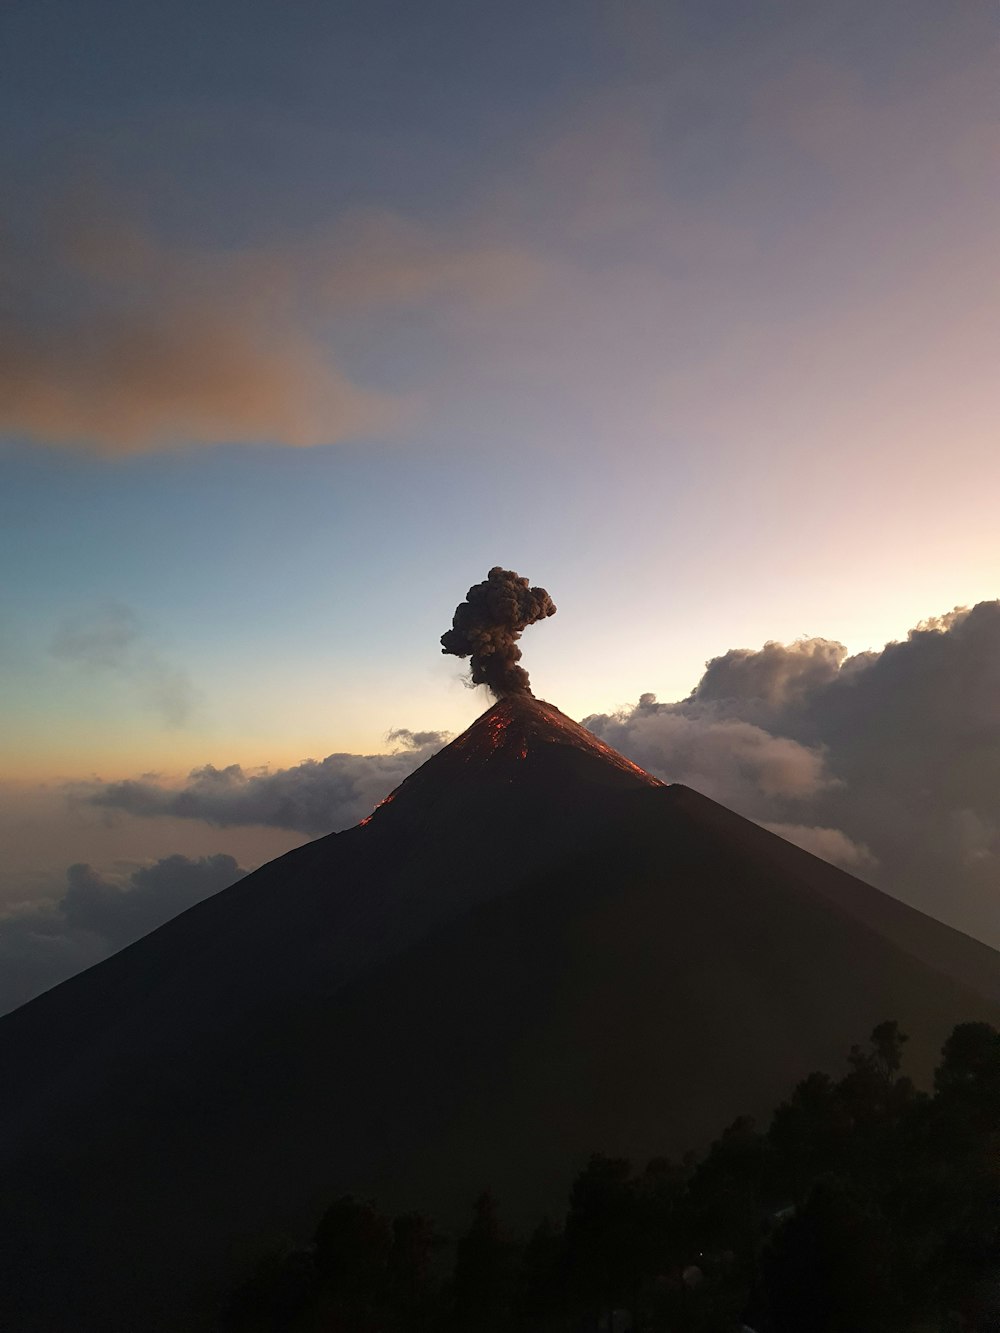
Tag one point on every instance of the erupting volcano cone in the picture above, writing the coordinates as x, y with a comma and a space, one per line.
520, 739
531, 951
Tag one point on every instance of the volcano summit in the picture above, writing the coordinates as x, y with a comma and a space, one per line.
532, 950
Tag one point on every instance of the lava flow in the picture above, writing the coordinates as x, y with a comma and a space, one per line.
386, 800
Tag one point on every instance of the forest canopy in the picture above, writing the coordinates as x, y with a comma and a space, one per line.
865, 1205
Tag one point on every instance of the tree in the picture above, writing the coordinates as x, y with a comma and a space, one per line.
483, 1266
604, 1234
808, 1136
352, 1250
968, 1076
542, 1284
887, 1042
868, 1089
409, 1262
276, 1294
828, 1268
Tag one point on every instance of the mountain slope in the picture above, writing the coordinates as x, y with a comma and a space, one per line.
533, 950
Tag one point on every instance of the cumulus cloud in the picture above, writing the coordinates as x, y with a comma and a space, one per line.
152, 894
727, 759
44, 942
886, 762
111, 639
317, 796
829, 843
114, 340
416, 740
776, 676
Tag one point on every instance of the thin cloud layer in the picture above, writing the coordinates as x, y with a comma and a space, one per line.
114, 341
315, 797
43, 943
887, 762
111, 640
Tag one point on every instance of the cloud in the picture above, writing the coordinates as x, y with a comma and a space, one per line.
382, 261
416, 740
43, 943
104, 639
829, 843
317, 796
153, 894
113, 340
887, 762
777, 676
110, 639
728, 759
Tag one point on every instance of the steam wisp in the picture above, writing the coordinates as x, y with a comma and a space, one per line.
488, 624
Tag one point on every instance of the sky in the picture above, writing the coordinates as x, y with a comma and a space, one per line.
311, 314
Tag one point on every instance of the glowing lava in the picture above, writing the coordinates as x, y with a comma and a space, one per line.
386, 800
496, 746
498, 725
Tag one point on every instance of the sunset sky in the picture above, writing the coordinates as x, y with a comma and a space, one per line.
312, 313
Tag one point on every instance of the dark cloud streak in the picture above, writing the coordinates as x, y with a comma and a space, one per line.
111, 640
43, 943
314, 797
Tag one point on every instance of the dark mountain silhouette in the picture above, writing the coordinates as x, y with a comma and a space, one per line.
530, 951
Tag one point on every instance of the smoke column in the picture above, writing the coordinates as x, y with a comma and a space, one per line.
488, 624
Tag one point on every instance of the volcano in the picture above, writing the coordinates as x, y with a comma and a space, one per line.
530, 951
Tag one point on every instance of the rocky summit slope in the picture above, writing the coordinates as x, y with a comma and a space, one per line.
530, 951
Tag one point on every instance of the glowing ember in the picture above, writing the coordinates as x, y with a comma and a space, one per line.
620, 761
386, 800
498, 725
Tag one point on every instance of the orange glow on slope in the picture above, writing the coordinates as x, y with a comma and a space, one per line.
553, 724
620, 761
499, 740
386, 800
498, 725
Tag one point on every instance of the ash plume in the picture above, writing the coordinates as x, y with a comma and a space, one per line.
488, 624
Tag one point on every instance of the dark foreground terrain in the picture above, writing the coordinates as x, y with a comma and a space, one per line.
865, 1205
532, 952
